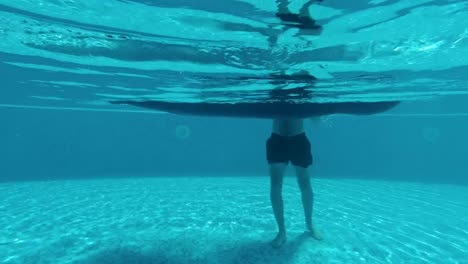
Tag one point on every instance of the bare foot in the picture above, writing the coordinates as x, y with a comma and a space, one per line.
313, 233
279, 240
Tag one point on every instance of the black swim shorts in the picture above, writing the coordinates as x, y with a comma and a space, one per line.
284, 149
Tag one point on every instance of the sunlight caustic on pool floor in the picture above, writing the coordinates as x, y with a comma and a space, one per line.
229, 220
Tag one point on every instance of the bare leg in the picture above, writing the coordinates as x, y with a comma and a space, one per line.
303, 180
276, 176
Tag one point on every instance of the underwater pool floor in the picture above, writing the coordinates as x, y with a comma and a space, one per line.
229, 220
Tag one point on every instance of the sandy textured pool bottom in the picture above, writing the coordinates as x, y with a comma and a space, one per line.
229, 220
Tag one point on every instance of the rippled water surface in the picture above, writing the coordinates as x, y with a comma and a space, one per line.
81, 54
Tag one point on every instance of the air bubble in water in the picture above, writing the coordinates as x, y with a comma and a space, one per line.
431, 134
182, 132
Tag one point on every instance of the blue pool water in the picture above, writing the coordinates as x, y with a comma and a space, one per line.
226, 220
86, 181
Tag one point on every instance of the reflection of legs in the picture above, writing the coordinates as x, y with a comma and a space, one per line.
304, 11
303, 180
303, 20
283, 6
276, 176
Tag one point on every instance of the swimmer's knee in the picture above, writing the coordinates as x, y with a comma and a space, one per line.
303, 179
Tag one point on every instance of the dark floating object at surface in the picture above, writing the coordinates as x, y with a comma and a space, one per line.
266, 110
301, 22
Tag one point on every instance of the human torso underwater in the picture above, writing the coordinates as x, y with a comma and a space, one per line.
288, 127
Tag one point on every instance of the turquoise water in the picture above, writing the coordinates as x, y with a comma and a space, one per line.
85, 181
84, 53
223, 220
